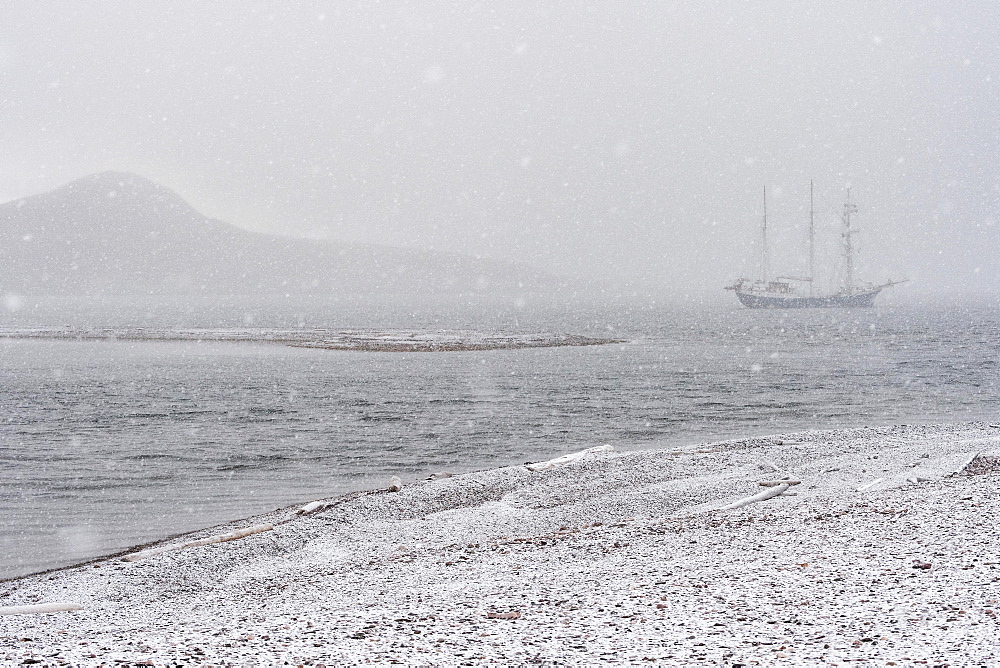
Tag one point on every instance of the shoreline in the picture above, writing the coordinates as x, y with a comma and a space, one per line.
176, 538
612, 557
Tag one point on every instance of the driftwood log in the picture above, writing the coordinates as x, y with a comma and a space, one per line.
211, 540
766, 494
566, 459
39, 608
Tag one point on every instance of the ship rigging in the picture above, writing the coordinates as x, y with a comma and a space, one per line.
769, 291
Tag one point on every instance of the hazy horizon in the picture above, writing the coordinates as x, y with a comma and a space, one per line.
624, 143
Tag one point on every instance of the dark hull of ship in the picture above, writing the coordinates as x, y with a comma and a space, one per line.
859, 300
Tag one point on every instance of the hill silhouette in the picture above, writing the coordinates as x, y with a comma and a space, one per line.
120, 233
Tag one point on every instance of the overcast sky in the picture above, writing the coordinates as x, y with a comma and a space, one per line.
622, 140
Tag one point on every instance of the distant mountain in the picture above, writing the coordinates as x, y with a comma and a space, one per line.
119, 233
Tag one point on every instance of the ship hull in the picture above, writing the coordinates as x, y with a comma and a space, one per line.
859, 300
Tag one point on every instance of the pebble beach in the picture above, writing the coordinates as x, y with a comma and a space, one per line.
880, 549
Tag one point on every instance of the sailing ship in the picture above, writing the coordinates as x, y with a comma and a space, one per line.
788, 291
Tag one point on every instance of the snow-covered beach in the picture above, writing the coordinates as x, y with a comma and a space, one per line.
884, 555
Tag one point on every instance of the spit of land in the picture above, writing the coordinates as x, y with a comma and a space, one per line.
394, 341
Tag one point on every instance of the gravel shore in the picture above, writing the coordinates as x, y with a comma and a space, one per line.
886, 554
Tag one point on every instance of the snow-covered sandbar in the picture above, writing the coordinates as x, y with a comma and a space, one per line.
327, 339
886, 554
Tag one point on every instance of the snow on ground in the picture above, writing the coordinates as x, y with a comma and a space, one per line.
609, 558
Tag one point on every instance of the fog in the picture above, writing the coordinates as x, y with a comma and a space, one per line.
625, 142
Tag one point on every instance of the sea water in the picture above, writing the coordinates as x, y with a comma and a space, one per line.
107, 444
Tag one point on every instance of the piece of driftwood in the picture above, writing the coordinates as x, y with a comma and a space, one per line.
775, 483
152, 552
38, 608
768, 493
503, 615
566, 459
869, 485
226, 537
695, 451
211, 540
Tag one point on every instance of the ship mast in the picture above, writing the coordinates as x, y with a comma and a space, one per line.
764, 268
812, 243
847, 246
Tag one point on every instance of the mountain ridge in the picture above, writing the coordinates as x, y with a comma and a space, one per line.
121, 233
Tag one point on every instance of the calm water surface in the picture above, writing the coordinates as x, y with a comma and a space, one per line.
109, 444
